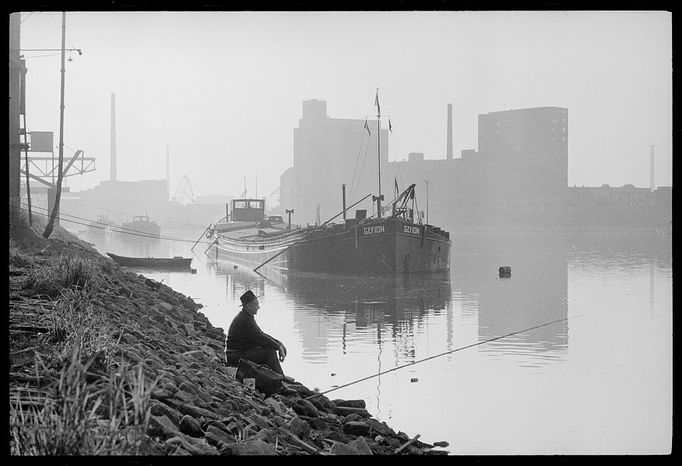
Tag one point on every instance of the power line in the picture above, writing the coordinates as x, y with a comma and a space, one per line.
116, 229
104, 209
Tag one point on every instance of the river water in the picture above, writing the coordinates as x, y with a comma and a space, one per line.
596, 381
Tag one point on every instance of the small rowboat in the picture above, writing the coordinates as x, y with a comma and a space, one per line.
177, 262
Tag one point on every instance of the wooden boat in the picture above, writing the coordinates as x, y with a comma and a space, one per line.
177, 262
396, 241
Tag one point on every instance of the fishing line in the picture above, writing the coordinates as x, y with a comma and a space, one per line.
442, 354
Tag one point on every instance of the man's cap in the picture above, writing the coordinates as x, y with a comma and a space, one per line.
247, 297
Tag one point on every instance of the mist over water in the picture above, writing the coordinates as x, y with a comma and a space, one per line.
598, 381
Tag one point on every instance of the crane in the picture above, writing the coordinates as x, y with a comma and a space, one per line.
184, 192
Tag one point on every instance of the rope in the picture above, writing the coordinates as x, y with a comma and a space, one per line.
441, 354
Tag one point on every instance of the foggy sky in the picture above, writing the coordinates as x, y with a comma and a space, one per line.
224, 90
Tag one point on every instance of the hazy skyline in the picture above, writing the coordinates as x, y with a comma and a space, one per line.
224, 90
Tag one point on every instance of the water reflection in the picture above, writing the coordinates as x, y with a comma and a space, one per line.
534, 294
328, 308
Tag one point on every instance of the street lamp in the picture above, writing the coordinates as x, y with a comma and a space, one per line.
289, 212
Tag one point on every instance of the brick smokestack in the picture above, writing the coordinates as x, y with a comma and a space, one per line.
449, 150
112, 175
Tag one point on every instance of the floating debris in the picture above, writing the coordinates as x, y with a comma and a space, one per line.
505, 271
414, 379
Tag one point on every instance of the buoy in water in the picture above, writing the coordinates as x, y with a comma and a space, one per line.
235, 266
414, 379
505, 271
193, 270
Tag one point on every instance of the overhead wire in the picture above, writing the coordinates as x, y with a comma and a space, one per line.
116, 229
79, 203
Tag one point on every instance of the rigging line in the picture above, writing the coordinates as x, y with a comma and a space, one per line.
355, 169
362, 167
400, 173
443, 354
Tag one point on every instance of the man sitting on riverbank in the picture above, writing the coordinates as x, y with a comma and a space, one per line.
245, 340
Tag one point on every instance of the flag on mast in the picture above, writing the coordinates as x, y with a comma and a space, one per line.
367, 127
390, 128
376, 102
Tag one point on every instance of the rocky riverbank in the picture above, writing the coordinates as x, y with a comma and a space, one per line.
147, 366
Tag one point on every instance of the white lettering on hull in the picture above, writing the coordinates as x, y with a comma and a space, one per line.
411, 229
376, 230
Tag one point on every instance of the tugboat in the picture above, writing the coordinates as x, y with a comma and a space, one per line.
142, 226
397, 243
102, 225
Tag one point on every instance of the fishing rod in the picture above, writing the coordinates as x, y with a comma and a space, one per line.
294, 244
441, 354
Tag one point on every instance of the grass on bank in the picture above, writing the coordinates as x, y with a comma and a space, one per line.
109, 417
98, 405
65, 273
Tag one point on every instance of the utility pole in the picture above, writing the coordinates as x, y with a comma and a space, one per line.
15, 70
55, 209
651, 168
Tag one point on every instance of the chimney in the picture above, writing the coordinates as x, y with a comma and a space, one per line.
168, 169
112, 175
449, 153
651, 169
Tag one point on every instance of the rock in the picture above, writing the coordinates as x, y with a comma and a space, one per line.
391, 442
260, 421
436, 452
356, 428
189, 329
266, 435
198, 354
277, 406
185, 396
441, 444
344, 411
317, 423
350, 403
252, 447
322, 403
161, 409
192, 410
188, 387
216, 435
160, 394
161, 426
353, 417
380, 427
165, 306
190, 426
299, 427
342, 449
193, 446
360, 445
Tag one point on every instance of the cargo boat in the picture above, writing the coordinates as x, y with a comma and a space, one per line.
395, 243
